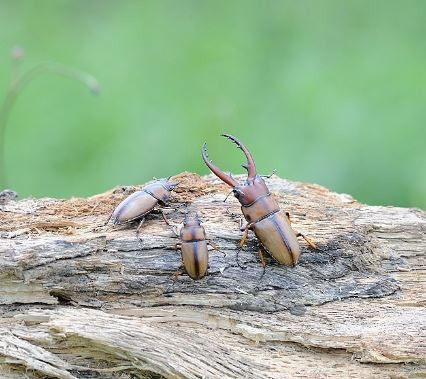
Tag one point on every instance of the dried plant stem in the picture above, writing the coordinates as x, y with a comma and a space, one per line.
4, 114
16, 85
55, 68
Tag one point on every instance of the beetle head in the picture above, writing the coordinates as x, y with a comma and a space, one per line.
161, 190
248, 192
191, 219
169, 186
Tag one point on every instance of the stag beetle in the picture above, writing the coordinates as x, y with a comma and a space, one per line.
193, 246
261, 211
140, 203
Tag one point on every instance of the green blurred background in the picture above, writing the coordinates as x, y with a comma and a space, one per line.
330, 92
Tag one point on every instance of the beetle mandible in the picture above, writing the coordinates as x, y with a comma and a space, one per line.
261, 211
193, 246
140, 203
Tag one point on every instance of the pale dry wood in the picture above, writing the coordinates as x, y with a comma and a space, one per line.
84, 300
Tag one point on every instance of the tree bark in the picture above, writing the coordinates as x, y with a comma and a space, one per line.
84, 300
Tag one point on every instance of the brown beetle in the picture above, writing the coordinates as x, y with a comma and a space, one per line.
142, 202
193, 246
261, 211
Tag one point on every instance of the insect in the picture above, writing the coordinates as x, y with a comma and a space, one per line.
263, 215
140, 203
193, 246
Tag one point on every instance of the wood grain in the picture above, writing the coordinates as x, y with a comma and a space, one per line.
83, 300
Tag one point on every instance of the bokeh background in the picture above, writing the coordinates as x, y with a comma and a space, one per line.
330, 92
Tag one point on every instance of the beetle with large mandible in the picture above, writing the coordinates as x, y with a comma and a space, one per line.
261, 211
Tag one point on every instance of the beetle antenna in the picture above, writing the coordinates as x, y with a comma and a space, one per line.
226, 198
235, 191
270, 175
172, 227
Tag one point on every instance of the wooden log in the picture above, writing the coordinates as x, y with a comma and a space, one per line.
80, 299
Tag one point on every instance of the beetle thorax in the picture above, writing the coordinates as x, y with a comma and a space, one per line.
191, 233
251, 190
159, 190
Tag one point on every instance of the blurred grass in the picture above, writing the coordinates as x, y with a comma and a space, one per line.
323, 91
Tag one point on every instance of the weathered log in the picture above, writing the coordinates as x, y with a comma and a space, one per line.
84, 300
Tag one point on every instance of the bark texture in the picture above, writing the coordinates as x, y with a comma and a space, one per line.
82, 300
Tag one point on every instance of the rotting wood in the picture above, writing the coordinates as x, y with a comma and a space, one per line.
84, 300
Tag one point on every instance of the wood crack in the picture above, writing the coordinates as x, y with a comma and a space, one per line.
89, 299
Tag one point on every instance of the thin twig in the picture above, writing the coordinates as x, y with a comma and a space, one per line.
16, 85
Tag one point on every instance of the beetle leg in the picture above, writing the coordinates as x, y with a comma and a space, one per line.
109, 218
216, 248
288, 216
244, 237
177, 273
245, 234
262, 260
239, 249
169, 224
310, 243
298, 234
243, 240
179, 270
261, 257
139, 227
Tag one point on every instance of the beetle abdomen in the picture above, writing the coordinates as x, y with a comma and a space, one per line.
135, 206
195, 258
278, 238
